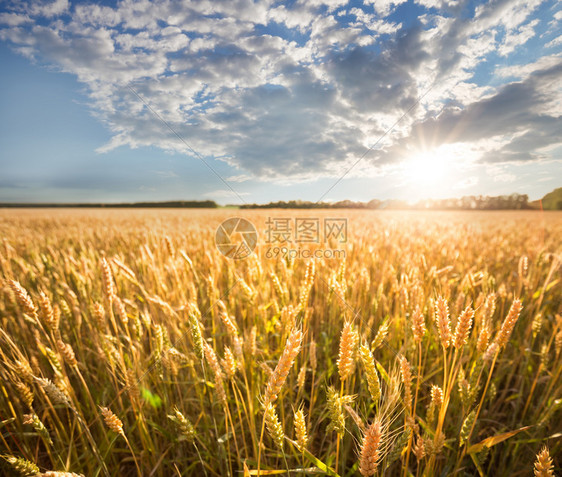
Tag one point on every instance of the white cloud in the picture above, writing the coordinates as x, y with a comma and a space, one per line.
523, 71
239, 178
507, 13
499, 174
554, 42
294, 92
96, 15
14, 19
516, 38
384, 7
49, 9
298, 18
376, 25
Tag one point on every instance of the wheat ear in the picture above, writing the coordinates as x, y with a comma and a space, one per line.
543, 464
348, 346
279, 376
369, 459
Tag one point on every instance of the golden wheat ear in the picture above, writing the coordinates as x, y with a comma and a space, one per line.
370, 449
112, 421
21, 466
372, 375
418, 325
23, 298
543, 464
464, 324
509, 323
273, 425
348, 348
406, 374
443, 322
300, 430
279, 376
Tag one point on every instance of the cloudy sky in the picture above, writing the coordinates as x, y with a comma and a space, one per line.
253, 101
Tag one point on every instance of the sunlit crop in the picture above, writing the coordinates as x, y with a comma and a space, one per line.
129, 345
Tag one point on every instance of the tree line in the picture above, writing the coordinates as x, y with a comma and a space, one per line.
501, 202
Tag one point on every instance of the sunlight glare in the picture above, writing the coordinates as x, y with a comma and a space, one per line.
427, 169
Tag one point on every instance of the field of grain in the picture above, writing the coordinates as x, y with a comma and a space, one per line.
130, 346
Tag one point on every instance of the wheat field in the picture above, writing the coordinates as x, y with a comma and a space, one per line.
130, 346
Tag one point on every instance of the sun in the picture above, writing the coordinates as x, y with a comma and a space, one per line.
427, 169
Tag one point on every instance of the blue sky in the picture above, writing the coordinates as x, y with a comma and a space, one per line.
279, 99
